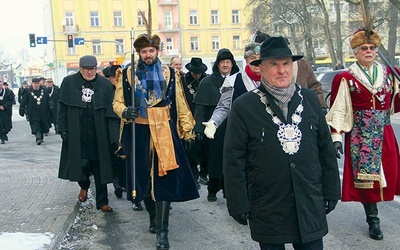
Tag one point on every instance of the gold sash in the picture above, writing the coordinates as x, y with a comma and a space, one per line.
160, 131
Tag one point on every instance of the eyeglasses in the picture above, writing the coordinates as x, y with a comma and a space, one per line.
365, 48
92, 69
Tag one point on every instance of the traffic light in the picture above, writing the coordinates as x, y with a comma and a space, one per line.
70, 39
32, 40
162, 46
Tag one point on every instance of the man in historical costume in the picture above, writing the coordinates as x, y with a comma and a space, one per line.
6, 102
38, 103
162, 119
363, 98
280, 170
233, 87
190, 81
206, 99
303, 73
54, 93
85, 107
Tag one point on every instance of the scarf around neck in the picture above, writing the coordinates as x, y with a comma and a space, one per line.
281, 96
253, 76
152, 85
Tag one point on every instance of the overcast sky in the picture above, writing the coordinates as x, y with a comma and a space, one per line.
18, 19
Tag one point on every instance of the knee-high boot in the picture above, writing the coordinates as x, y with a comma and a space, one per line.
371, 211
162, 211
151, 209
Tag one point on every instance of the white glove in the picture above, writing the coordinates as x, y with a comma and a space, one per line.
210, 129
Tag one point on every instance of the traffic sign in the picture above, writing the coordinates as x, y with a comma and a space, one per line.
41, 40
79, 41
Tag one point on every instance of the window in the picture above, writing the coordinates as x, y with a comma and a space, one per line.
140, 18
119, 46
96, 47
236, 42
168, 19
215, 42
193, 17
194, 43
94, 19
169, 43
69, 19
72, 51
117, 18
214, 17
235, 16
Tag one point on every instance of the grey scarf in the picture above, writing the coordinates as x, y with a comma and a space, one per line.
281, 96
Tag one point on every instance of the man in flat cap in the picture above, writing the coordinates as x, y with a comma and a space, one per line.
38, 105
85, 106
162, 119
280, 169
363, 99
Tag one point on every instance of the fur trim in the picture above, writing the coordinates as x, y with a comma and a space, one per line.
143, 41
360, 38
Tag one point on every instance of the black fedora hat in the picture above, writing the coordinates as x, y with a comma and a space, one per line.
196, 65
275, 47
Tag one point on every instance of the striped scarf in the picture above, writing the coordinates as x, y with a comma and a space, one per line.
281, 96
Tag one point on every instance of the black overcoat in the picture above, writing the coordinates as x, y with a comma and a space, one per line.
6, 100
70, 113
283, 193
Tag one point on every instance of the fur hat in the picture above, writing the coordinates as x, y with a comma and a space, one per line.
360, 37
147, 40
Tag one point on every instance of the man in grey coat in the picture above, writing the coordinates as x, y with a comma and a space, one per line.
279, 163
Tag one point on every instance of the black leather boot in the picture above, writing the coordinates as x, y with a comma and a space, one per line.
371, 211
162, 212
151, 209
39, 138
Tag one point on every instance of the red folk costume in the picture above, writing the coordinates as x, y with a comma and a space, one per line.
362, 105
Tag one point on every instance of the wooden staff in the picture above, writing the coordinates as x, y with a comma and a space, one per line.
133, 142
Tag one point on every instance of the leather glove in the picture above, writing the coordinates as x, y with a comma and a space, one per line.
338, 148
188, 144
241, 218
210, 129
64, 136
21, 111
130, 113
330, 206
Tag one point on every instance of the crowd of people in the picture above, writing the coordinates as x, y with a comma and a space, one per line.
262, 135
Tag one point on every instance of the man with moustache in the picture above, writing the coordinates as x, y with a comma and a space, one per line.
38, 103
85, 107
162, 120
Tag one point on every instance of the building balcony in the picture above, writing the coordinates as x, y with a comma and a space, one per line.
174, 27
172, 52
71, 29
167, 2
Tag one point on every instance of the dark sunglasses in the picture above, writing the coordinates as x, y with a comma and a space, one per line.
365, 48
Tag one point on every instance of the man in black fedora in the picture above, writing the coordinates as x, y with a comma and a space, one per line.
190, 81
279, 166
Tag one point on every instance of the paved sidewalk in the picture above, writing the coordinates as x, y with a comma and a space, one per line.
34, 203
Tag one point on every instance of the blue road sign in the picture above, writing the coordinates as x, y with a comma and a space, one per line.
41, 40
79, 41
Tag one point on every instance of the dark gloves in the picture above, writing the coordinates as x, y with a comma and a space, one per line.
64, 136
130, 113
337, 145
188, 144
241, 218
21, 111
330, 206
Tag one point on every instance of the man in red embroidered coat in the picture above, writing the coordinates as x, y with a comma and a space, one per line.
363, 99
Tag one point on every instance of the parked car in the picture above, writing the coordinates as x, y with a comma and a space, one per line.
325, 79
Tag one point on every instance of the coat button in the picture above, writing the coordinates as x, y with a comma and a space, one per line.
292, 165
292, 195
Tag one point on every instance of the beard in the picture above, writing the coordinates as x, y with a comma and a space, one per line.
148, 61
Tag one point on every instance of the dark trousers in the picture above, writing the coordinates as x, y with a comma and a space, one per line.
215, 184
89, 167
313, 245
